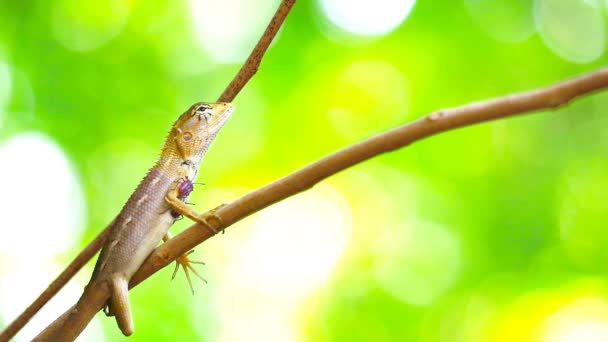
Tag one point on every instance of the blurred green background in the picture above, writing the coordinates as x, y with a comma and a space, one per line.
491, 233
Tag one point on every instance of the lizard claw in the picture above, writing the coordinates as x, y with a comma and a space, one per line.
211, 215
187, 265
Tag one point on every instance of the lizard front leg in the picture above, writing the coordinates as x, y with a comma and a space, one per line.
173, 199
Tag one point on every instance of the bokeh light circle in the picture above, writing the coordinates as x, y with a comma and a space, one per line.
228, 29
274, 268
419, 262
84, 26
287, 268
571, 311
584, 319
45, 208
573, 29
509, 21
61, 209
370, 18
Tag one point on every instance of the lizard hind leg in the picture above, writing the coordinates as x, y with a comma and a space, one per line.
187, 265
120, 307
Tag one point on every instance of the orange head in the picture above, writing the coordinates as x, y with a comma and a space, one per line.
194, 131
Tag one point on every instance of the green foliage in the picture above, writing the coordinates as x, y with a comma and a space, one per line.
490, 233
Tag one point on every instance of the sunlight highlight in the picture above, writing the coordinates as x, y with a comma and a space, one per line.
296, 243
370, 18
576, 310
290, 252
42, 194
585, 319
219, 26
22, 279
45, 209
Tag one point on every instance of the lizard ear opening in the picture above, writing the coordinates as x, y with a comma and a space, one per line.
186, 142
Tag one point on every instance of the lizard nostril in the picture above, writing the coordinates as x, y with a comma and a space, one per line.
187, 136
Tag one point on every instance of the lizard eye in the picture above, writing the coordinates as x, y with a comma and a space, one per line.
204, 111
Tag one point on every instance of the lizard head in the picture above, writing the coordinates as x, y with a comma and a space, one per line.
197, 127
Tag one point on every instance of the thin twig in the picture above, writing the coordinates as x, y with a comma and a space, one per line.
253, 62
440, 121
247, 71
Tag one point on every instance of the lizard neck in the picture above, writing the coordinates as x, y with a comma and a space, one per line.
173, 164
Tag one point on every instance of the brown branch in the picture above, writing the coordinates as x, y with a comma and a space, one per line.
440, 121
247, 71
253, 62
303, 179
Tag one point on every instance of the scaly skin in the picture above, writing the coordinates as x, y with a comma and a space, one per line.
142, 222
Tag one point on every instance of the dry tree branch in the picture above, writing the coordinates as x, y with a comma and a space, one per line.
440, 121
253, 61
247, 71
550, 97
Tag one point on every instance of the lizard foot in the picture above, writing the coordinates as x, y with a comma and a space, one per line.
187, 265
210, 215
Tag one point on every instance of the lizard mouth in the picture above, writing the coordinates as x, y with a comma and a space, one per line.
223, 116
228, 110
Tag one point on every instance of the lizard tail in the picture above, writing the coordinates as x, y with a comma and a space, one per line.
69, 325
119, 288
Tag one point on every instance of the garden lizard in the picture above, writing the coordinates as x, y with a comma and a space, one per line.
143, 221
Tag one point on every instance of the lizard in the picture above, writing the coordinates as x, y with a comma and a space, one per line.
143, 221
